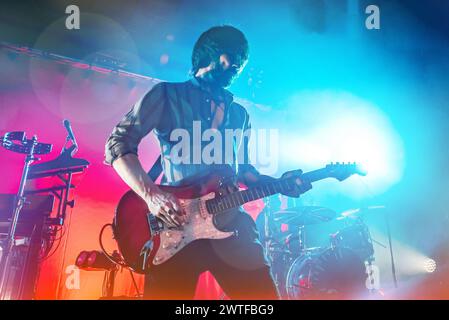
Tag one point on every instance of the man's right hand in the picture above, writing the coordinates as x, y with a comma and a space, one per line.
162, 204
166, 207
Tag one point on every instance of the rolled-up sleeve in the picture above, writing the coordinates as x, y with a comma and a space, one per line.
136, 124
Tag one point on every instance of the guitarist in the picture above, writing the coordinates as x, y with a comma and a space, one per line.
237, 262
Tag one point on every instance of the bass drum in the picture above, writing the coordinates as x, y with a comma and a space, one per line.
356, 237
334, 273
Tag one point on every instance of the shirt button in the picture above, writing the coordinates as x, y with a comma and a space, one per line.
207, 100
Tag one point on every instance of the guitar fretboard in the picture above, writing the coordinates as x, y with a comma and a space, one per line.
239, 198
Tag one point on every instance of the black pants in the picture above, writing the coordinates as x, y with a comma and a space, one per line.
237, 263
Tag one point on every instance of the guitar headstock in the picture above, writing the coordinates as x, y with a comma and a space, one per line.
342, 171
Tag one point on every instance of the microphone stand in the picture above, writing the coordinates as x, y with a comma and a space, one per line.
70, 137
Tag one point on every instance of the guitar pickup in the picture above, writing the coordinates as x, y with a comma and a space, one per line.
154, 224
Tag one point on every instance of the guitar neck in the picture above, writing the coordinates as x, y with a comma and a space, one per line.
266, 189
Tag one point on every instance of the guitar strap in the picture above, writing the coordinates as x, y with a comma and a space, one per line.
156, 169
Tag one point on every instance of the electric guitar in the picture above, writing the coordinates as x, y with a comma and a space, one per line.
144, 240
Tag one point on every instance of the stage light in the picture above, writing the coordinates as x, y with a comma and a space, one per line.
94, 260
408, 260
328, 126
81, 260
430, 265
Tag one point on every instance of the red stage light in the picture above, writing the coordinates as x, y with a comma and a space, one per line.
94, 260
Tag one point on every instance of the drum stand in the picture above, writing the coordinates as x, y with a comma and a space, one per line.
393, 267
269, 240
302, 239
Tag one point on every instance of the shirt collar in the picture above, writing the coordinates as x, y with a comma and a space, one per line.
228, 96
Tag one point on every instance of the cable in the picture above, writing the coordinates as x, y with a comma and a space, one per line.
115, 261
110, 257
49, 250
66, 235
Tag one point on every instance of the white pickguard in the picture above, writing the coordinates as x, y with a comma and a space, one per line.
199, 225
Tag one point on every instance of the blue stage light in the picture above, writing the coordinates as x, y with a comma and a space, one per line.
325, 126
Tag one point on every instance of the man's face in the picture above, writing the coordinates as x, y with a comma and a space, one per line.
225, 71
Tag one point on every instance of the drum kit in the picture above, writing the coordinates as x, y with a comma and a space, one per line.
336, 269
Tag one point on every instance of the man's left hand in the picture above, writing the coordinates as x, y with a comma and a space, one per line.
300, 186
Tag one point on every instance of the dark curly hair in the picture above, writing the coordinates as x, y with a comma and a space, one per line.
216, 41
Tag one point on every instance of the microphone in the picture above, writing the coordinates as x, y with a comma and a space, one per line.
68, 127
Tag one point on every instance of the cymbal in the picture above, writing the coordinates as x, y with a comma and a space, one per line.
306, 215
357, 212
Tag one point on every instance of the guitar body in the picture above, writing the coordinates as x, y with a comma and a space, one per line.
142, 239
